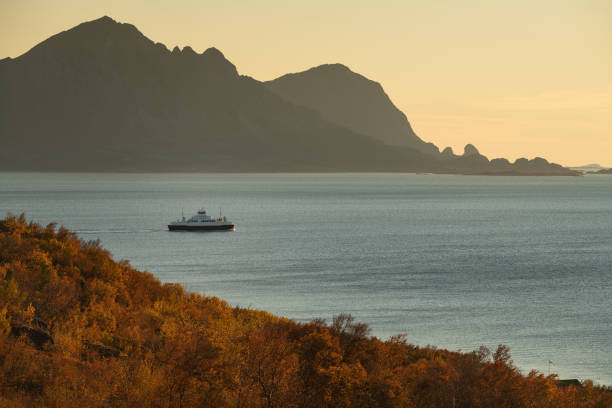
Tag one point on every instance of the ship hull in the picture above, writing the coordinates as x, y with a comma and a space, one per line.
224, 227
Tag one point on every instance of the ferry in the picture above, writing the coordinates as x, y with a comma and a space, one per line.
202, 222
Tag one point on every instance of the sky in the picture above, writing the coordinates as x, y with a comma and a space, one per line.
515, 78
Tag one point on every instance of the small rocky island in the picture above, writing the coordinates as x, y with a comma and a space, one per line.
603, 171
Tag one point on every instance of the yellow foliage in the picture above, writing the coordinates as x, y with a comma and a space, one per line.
80, 330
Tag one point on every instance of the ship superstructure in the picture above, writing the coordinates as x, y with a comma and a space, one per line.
202, 222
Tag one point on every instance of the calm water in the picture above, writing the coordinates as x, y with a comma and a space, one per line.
454, 261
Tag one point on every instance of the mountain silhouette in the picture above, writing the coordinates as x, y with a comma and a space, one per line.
351, 100
103, 97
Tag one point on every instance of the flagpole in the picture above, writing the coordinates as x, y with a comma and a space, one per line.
549, 364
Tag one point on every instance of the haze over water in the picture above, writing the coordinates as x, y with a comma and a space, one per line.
453, 261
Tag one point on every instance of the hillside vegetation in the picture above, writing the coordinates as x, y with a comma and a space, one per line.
78, 329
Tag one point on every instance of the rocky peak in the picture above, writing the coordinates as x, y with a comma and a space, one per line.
211, 60
213, 52
98, 38
104, 20
336, 67
447, 153
187, 50
470, 150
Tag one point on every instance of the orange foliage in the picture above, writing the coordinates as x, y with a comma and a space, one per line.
79, 329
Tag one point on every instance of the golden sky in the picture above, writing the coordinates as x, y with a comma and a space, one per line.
516, 78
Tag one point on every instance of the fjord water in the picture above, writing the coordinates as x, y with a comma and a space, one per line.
452, 261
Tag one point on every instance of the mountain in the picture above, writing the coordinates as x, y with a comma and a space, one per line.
103, 97
360, 104
351, 100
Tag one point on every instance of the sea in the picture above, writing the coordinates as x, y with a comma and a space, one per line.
451, 261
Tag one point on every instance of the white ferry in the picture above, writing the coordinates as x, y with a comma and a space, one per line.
202, 222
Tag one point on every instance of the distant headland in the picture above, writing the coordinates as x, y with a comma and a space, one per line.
103, 97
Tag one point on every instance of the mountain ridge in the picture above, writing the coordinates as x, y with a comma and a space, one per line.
101, 96
321, 88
